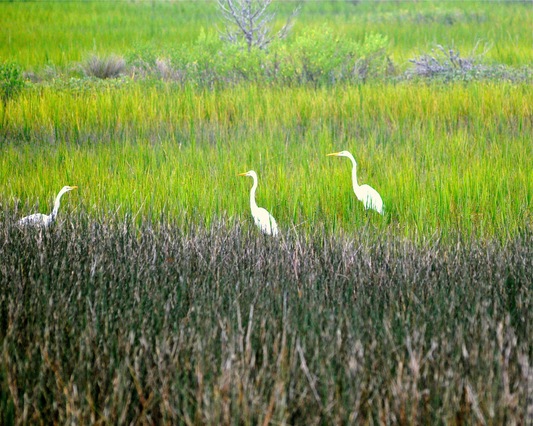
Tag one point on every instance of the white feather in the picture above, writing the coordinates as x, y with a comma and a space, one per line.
262, 218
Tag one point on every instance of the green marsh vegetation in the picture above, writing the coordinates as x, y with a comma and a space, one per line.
154, 299
60, 33
444, 158
449, 153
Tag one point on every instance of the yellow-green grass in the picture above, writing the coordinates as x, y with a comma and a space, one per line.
445, 158
60, 33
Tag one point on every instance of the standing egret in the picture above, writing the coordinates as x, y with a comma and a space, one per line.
365, 193
39, 219
262, 218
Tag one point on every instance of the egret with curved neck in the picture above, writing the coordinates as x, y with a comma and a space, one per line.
262, 218
365, 193
39, 219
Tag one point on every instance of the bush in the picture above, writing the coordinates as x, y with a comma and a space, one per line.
11, 80
320, 56
317, 57
447, 64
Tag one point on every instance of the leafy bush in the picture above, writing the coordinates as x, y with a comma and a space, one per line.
11, 80
320, 56
316, 57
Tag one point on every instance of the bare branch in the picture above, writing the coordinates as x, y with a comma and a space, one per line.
250, 20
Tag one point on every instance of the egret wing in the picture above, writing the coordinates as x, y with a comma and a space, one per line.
37, 219
372, 199
266, 222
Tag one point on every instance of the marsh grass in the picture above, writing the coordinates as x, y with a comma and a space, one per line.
103, 67
444, 157
155, 300
177, 322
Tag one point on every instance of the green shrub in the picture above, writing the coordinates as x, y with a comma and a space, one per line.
316, 57
11, 80
320, 56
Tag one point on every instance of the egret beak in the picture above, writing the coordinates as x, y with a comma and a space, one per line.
242, 174
73, 187
333, 153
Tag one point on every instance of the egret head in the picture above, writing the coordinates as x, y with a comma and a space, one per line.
249, 173
339, 154
68, 188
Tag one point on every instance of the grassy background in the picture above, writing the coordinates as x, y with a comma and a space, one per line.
63, 32
444, 158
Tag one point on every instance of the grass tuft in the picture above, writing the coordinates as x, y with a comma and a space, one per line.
104, 67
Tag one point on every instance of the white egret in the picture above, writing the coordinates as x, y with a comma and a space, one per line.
39, 219
365, 193
262, 218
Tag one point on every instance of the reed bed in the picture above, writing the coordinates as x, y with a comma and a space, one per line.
178, 323
445, 158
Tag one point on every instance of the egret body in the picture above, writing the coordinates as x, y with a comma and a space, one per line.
39, 219
365, 193
262, 218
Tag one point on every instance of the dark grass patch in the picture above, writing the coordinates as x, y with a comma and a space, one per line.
103, 67
183, 324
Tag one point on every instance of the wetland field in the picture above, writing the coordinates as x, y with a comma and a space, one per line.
153, 299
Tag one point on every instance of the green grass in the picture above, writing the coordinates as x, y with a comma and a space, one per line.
444, 157
60, 33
